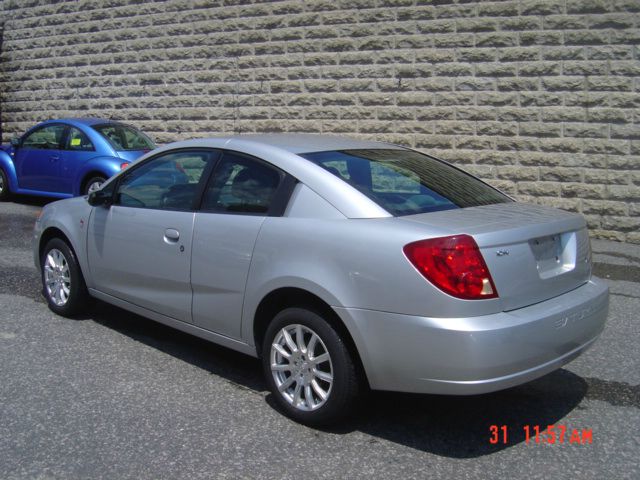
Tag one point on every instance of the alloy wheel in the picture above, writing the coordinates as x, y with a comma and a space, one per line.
57, 277
93, 186
301, 367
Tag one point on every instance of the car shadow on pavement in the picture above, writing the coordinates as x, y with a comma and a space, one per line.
235, 367
32, 200
450, 426
464, 426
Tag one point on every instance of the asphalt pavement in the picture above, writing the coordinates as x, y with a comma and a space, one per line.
112, 395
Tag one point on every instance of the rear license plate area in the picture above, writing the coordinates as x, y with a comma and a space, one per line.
554, 254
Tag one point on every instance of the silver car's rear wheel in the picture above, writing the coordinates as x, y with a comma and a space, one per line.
301, 367
57, 277
309, 367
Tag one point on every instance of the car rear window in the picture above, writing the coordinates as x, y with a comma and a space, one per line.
124, 137
405, 182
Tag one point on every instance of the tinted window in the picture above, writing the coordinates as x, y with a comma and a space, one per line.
167, 182
47, 138
241, 185
78, 141
405, 182
123, 137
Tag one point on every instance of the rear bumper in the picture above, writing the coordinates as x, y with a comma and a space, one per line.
465, 356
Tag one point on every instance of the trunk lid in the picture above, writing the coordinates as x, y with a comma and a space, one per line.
533, 252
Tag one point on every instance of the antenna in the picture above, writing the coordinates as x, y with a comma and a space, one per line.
236, 99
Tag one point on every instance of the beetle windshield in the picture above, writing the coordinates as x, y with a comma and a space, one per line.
405, 182
123, 137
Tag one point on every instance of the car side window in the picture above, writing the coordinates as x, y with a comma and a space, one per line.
78, 141
241, 185
167, 182
46, 138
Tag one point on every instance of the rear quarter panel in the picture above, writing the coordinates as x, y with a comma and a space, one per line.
352, 263
108, 166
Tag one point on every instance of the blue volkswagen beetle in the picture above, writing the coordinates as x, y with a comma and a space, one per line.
68, 157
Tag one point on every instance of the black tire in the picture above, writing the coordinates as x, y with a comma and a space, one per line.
5, 193
64, 298
93, 180
344, 388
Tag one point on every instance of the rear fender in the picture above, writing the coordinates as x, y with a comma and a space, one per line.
106, 166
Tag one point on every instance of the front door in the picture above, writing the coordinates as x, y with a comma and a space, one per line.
139, 249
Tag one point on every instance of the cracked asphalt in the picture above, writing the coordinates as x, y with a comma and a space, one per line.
113, 395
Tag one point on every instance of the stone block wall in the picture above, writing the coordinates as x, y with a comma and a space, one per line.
539, 97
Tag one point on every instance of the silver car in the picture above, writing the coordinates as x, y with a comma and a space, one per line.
343, 264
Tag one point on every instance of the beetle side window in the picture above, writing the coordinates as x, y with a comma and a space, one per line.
47, 138
241, 185
123, 137
78, 141
167, 182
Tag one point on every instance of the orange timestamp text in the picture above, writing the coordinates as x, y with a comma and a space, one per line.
536, 435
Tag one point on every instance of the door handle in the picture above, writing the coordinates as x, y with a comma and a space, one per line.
54, 158
171, 235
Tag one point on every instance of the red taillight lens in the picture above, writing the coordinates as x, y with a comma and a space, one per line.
454, 265
124, 165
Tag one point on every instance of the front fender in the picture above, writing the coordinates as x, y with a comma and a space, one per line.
107, 166
7, 165
71, 217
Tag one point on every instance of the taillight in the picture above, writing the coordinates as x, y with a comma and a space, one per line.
124, 165
454, 265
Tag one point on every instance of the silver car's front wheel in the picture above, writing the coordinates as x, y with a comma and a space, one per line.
301, 367
57, 277
309, 368
62, 281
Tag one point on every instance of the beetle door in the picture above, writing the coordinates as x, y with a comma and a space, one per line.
39, 157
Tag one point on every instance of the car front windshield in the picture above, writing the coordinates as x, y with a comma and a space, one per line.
405, 182
123, 137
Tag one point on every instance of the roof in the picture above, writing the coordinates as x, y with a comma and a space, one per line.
308, 142
291, 142
82, 121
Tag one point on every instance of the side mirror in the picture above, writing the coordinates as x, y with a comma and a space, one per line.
100, 198
15, 142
